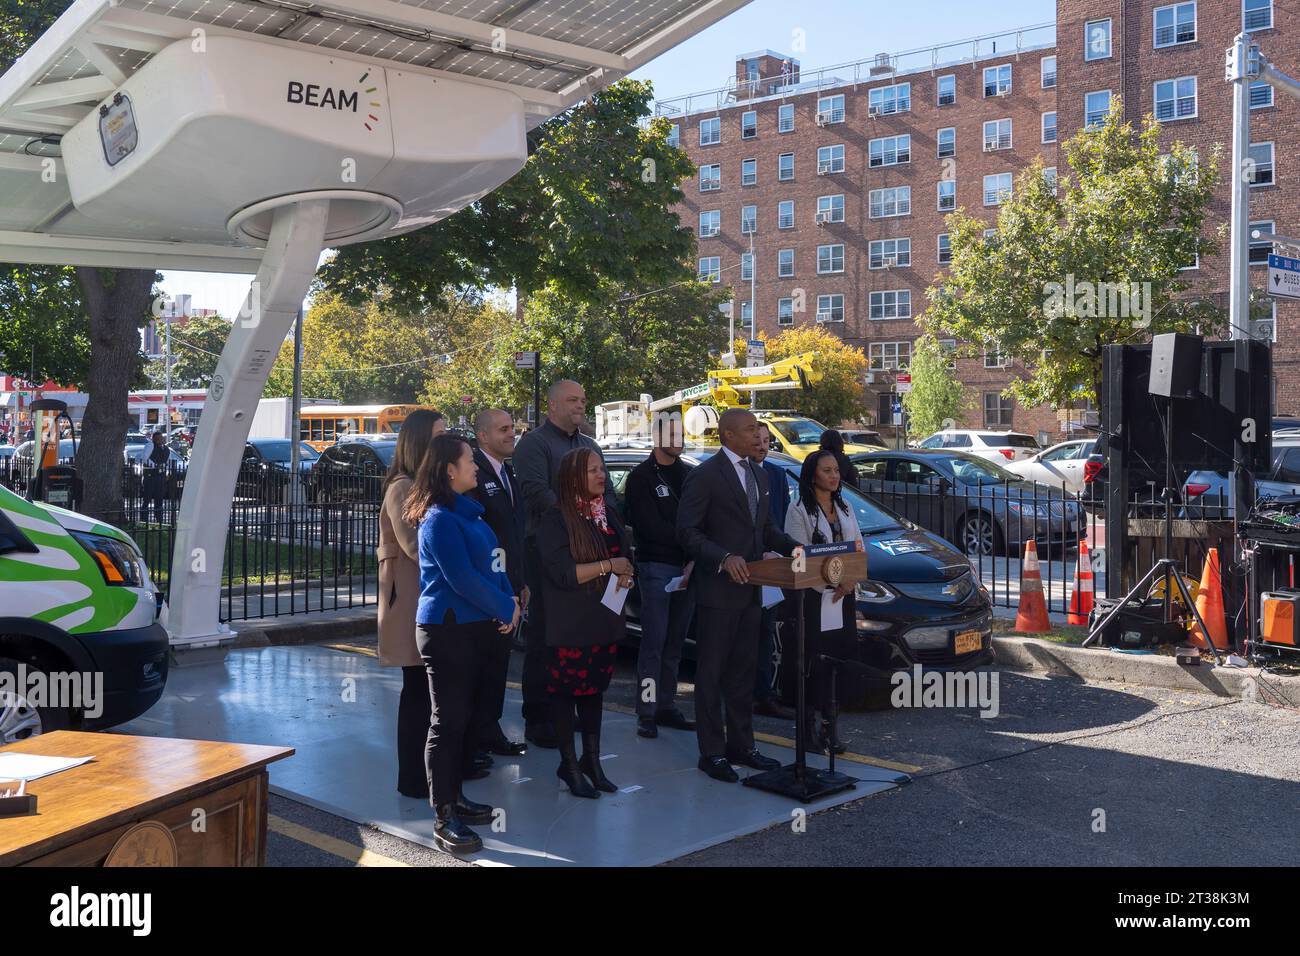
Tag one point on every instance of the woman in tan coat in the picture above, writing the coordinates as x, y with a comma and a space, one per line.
399, 592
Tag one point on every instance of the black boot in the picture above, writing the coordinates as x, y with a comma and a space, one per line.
472, 812
451, 834
812, 741
590, 764
571, 773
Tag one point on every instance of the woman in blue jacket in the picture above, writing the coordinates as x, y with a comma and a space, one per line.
463, 597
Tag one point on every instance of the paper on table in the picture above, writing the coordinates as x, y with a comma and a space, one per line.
832, 612
615, 596
14, 766
772, 596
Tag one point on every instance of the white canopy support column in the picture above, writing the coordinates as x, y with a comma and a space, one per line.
275, 296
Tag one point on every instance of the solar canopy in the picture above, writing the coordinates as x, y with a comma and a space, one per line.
549, 53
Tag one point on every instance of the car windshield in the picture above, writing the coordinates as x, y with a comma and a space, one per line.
970, 470
385, 451
279, 451
801, 431
871, 517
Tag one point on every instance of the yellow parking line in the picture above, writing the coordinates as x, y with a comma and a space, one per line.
856, 758
353, 649
332, 845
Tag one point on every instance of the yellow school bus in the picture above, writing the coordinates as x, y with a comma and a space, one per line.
323, 425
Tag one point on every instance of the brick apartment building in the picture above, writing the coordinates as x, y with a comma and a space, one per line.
840, 179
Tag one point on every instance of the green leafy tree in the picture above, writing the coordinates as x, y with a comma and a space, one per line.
838, 397
591, 208
1092, 262
937, 400
103, 355
196, 346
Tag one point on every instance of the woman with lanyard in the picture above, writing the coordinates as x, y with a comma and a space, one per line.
821, 516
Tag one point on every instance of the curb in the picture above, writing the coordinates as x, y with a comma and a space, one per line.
1151, 670
351, 622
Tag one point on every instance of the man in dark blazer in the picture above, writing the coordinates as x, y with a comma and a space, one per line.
503, 509
724, 521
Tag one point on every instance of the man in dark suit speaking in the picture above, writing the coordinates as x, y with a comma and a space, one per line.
723, 522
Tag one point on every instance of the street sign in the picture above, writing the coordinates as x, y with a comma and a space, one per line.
1283, 277
903, 383
755, 353
525, 360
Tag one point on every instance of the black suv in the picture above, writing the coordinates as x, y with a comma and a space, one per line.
351, 470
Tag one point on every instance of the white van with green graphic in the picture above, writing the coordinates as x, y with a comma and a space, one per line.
80, 643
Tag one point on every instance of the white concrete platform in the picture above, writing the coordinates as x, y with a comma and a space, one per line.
338, 709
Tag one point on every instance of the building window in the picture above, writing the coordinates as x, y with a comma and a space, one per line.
785, 214
748, 172
711, 269
947, 140
947, 90
710, 131
889, 151
785, 118
885, 203
1047, 67
785, 264
945, 249
890, 355
748, 220
830, 109
785, 167
1049, 177
1176, 99
1096, 39
747, 315
1261, 95
1096, 106
785, 311
830, 159
997, 189
1265, 329
675, 135
746, 266
830, 208
748, 124
1049, 127
999, 412
1256, 14
710, 223
947, 195
993, 357
997, 80
710, 177
1260, 170
1260, 248
884, 100
830, 308
887, 253
894, 304
830, 259
997, 135
1175, 24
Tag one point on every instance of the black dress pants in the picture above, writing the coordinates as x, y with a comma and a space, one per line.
449, 653
413, 711
537, 703
726, 657
491, 667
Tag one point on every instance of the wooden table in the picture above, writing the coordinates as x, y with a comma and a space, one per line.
83, 812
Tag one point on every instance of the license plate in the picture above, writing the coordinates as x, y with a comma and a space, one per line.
967, 642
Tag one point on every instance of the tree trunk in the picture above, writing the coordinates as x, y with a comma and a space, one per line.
116, 302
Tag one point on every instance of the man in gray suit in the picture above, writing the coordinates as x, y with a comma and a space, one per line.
723, 522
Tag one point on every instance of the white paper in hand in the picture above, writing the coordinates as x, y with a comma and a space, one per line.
832, 612
772, 596
615, 596
675, 584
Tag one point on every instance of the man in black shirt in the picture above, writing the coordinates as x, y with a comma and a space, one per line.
654, 489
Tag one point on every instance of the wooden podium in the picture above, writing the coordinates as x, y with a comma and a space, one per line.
822, 565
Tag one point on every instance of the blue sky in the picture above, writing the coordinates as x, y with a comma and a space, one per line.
832, 32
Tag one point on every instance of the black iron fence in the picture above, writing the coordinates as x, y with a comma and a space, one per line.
286, 553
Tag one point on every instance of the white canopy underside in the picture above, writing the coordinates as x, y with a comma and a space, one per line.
550, 53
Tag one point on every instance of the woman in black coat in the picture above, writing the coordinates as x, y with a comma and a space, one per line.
580, 545
833, 442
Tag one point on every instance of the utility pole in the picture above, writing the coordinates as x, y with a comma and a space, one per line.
168, 411
295, 429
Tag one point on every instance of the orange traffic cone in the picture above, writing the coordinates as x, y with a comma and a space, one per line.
1031, 616
1080, 605
1209, 604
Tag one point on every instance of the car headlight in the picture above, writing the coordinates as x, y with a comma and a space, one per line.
874, 592
119, 562
1028, 508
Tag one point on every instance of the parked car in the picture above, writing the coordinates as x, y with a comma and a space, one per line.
352, 469
861, 436
973, 503
999, 447
1059, 466
264, 472
1207, 494
920, 602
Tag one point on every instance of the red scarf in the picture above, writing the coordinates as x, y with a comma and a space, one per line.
593, 509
